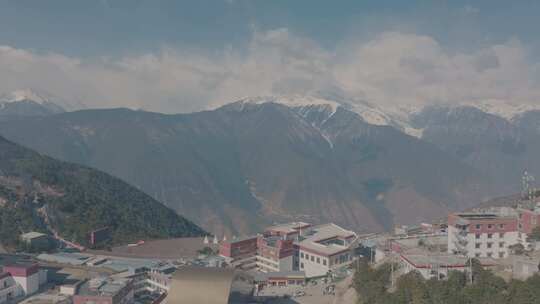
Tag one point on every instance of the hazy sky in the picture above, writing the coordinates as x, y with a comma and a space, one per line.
178, 56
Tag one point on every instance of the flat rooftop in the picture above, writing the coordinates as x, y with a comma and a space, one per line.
263, 276
465, 218
482, 216
312, 240
288, 227
241, 239
167, 249
102, 287
70, 258
47, 298
32, 235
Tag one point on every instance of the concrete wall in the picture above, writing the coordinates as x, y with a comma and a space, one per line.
42, 276
286, 264
29, 284
313, 264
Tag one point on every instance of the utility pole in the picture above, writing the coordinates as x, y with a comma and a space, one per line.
470, 271
392, 270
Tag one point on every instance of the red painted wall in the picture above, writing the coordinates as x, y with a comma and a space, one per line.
21, 271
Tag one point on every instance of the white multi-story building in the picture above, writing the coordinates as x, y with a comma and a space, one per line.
325, 248
478, 235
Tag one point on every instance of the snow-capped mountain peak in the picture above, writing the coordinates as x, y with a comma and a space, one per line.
508, 111
28, 102
293, 101
503, 109
370, 113
399, 117
26, 94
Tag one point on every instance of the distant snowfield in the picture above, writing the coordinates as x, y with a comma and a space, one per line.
293, 101
395, 116
398, 116
26, 94
40, 97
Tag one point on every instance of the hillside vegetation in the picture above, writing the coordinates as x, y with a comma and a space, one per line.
373, 287
43, 194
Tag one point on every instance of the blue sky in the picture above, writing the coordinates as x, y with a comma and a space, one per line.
90, 28
208, 40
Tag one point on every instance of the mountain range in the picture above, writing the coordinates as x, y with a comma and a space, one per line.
271, 159
38, 193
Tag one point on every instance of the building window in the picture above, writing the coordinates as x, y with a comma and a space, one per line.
501, 245
312, 258
477, 235
501, 226
478, 226
490, 226
477, 254
501, 235
324, 262
489, 245
302, 255
307, 256
501, 254
490, 235
489, 254
301, 265
477, 245
318, 260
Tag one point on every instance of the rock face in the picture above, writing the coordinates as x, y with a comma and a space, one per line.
249, 163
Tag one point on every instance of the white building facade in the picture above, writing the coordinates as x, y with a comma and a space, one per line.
482, 235
325, 249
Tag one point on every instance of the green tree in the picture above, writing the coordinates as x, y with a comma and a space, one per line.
534, 236
517, 249
411, 288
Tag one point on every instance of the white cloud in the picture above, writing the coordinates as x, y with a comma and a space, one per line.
392, 68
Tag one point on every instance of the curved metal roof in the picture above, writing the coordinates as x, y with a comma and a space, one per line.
198, 285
